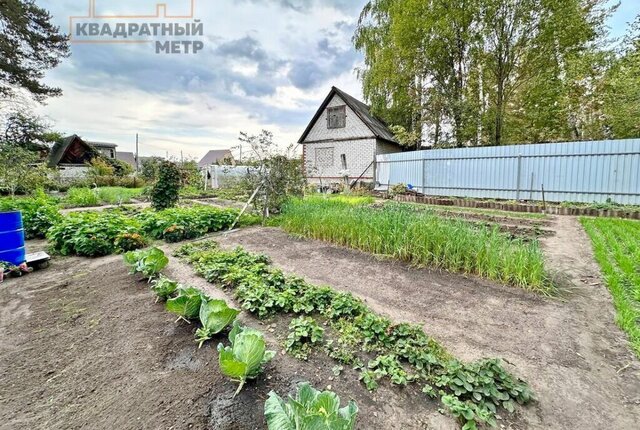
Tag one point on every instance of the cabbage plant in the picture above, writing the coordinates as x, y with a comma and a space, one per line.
149, 262
215, 315
246, 356
310, 409
186, 304
164, 288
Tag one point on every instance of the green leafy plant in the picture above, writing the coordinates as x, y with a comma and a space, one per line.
310, 409
178, 224
130, 241
381, 366
149, 262
405, 354
165, 192
304, 333
90, 234
422, 238
246, 356
81, 197
186, 304
39, 213
164, 287
215, 315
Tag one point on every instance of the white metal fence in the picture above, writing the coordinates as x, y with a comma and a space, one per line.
572, 171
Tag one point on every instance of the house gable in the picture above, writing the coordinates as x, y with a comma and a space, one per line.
358, 122
71, 150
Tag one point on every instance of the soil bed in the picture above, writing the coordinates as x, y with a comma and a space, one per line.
576, 359
84, 345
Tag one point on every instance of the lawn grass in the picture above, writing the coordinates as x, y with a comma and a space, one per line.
616, 244
421, 238
86, 197
118, 195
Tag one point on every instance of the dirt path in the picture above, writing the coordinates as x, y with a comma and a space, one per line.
570, 351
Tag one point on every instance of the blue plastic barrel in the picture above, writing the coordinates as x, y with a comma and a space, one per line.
12, 248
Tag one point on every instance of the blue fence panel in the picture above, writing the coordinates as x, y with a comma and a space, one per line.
570, 171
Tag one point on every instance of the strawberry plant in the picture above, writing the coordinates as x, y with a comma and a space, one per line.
215, 315
246, 356
304, 333
310, 409
149, 262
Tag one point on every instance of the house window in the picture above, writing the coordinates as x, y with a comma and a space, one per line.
337, 117
324, 157
343, 159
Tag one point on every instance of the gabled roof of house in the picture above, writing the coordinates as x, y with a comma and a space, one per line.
214, 156
102, 144
127, 157
376, 125
58, 150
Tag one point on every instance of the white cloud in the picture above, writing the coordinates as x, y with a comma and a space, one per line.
201, 102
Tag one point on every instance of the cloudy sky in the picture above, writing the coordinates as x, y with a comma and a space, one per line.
266, 64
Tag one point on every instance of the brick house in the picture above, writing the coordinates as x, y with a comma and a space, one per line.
343, 139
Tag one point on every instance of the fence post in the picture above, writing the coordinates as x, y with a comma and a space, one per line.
519, 175
424, 185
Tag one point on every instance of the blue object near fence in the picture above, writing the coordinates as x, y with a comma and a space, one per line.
12, 248
588, 172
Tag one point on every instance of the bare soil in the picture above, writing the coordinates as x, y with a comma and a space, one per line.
83, 345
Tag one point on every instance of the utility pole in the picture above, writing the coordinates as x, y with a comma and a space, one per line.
181, 159
137, 155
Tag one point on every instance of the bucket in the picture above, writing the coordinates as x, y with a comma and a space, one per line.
12, 248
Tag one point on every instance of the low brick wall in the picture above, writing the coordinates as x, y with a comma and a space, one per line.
519, 207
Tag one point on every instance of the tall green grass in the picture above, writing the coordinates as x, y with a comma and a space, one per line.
84, 197
616, 244
421, 238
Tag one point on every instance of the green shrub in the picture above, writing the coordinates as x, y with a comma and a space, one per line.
118, 195
91, 234
178, 224
39, 213
166, 191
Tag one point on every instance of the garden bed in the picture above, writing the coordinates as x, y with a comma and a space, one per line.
530, 208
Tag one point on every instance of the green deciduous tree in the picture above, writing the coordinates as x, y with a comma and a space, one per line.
622, 87
29, 45
485, 72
